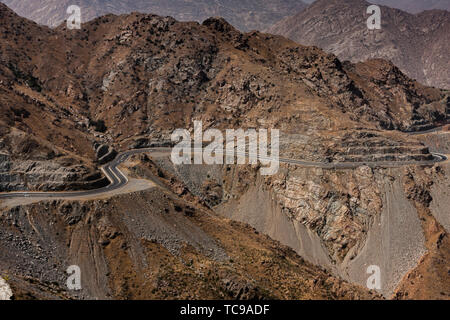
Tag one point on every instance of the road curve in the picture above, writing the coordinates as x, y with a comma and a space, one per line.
436, 129
118, 179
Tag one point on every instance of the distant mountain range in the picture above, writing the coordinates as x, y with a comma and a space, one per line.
418, 44
412, 6
415, 6
245, 15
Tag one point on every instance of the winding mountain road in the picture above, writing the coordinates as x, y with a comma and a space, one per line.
118, 179
432, 130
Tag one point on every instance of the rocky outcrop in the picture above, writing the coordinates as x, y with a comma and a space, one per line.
30, 175
30, 163
345, 220
368, 146
104, 153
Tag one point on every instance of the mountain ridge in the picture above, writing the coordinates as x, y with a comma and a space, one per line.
417, 44
415, 6
244, 15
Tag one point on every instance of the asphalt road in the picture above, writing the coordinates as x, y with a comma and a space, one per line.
437, 129
118, 179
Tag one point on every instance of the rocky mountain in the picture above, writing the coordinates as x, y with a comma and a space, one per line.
125, 80
415, 6
70, 97
412, 6
244, 15
417, 44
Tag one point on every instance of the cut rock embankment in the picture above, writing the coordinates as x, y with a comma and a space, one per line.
31, 175
376, 226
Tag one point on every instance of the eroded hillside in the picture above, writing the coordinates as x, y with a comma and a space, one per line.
344, 219
153, 244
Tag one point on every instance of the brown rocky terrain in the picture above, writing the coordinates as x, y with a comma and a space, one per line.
164, 247
343, 219
126, 80
417, 44
437, 141
71, 97
244, 15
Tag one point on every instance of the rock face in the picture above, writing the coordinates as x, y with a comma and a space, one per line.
104, 153
417, 44
45, 176
340, 219
344, 220
244, 15
27, 163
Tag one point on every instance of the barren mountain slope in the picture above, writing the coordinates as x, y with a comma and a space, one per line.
415, 6
124, 81
141, 76
244, 15
142, 68
343, 219
417, 44
152, 245
42, 144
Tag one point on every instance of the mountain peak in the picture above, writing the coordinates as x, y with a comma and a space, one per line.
219, 24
